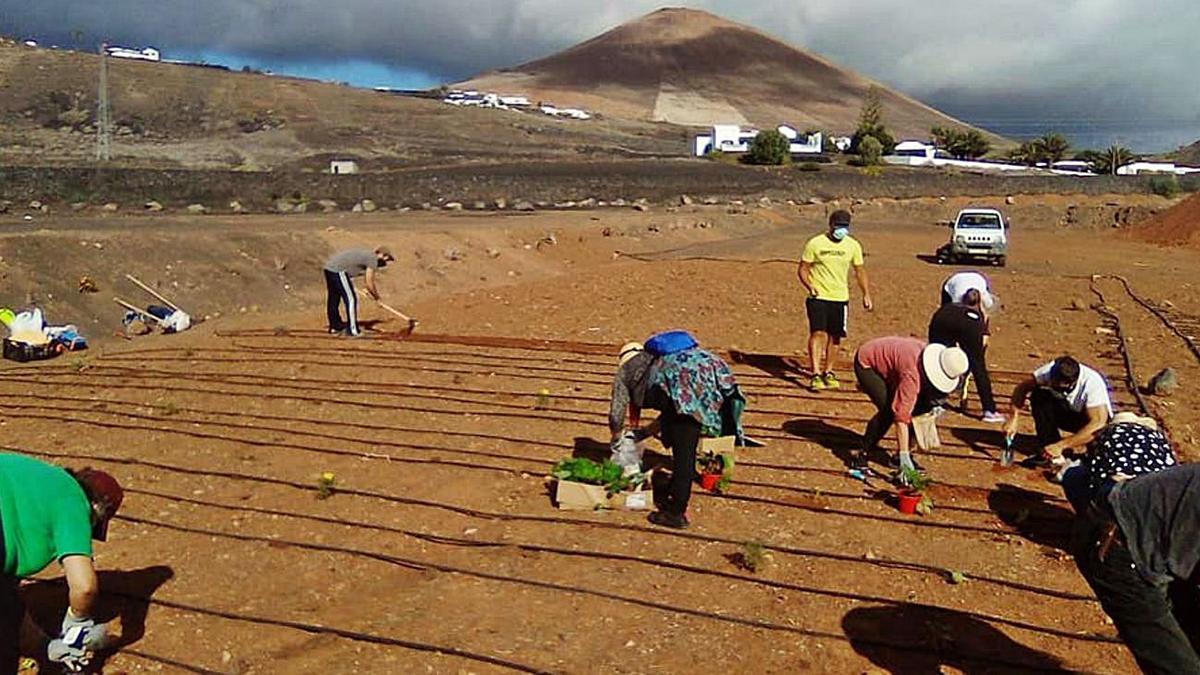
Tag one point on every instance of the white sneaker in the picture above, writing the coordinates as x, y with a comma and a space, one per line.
993, 417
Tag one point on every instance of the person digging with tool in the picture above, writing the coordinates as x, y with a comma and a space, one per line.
50, 514
1138, 546
964, 324
825, 274
693, 389
340, 270
903, 376
1063, 395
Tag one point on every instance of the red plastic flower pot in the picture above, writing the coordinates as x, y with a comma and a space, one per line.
709, 481
909, 500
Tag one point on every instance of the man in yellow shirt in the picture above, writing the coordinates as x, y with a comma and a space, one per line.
825, 274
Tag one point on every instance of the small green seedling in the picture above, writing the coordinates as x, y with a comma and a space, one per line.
325, 485
754, 556
956, 577
79, 364
166, 409
544, 400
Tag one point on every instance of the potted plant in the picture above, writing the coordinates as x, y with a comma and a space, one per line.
911, 496
715, 471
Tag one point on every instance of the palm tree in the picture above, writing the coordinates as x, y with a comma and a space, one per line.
1053, 147
1109, 160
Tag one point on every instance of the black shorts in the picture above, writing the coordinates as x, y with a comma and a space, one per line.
827, 316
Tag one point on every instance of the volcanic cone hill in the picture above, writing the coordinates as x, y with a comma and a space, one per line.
694, 68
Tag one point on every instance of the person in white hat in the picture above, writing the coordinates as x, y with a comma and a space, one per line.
903, 375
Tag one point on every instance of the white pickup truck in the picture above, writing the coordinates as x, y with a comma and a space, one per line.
977, 233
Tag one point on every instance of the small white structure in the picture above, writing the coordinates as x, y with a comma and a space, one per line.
842, 143
30, 43
340, 167
145, 54
1072, 167
732, 138
515, 101
1137, 168
915, 149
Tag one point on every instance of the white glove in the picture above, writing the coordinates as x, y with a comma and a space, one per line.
73, 659
83, 632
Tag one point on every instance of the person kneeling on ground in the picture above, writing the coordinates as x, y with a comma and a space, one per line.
964, 324
1128, 447
696, 393
340, 271
51, 514
825, 273
1063, 395
903, 376
1137, 544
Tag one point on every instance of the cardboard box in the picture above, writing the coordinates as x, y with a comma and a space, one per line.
572, 496
723, 445
926, 433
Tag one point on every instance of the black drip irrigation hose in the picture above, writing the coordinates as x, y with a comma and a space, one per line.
316, 629
426, 566
528, 412
777, 503
1188, 340
556, 520
164, 661
1122, 346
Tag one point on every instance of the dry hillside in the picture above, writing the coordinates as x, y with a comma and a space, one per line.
1189, 154
174, 115
694, 68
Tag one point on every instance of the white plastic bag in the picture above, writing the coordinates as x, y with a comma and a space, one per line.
627, 453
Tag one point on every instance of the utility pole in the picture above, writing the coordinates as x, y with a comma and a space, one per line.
103, 115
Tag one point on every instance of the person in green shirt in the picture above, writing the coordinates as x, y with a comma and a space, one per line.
825, 273
50, 514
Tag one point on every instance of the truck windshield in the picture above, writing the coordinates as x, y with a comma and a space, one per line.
979, 221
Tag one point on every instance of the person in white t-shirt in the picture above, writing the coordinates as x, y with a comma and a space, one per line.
955, 288
1063, 395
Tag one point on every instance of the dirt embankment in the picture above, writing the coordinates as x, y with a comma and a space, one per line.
544, 182
1178, 226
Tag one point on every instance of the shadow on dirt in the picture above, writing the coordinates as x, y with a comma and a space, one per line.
1033, 516
46, 601
782, 368
839, 440
929, 639
986, 442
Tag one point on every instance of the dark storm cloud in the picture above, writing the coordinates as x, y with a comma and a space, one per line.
1010, 57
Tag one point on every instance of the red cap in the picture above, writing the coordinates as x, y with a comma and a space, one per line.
106, 495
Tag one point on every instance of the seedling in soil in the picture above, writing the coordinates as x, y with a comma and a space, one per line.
79, 364
325, 485
166, 409
543, 400
956, 577
753, 557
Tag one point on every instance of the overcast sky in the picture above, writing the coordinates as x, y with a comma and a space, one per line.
1038, 62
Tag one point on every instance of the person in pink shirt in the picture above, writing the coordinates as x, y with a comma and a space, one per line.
902, 375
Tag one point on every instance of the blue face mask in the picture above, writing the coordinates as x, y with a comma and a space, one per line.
840, 233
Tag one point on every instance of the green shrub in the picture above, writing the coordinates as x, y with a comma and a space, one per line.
1166, 186
769, 148
721, 156
870, 151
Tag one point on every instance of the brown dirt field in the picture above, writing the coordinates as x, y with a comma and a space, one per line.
1179, 225
440, 550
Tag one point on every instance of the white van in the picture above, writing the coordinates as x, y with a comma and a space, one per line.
977, 234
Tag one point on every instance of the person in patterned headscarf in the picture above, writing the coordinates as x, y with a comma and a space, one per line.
1128, 447
697, 395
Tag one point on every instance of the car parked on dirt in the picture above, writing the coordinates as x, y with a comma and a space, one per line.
977, 234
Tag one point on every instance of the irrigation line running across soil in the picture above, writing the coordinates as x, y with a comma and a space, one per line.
886, 563
743, 463
1188, 340
594, 555
163, 661
778, 503
1122, 347
670, 609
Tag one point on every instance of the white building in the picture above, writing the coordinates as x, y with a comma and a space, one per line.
1137, 168
146, 54
915, 149
1072, 167
731, 138
340, 167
